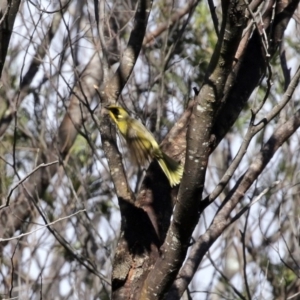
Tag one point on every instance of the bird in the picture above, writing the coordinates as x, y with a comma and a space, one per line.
142, 144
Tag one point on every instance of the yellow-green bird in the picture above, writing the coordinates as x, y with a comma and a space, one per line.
142, 144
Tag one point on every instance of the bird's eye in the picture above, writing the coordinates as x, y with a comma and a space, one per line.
118, 115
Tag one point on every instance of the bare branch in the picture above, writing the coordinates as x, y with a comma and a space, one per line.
222, 219
10, 9
198, 149
110, 93
180, 13
43, 226
25, 178
250, 68
61, 9
238, 293
244, 256
113, 88
212, 9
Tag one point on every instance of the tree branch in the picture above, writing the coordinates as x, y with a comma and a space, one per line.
222, 219
25, 178
186, 213
8, 12
180, 13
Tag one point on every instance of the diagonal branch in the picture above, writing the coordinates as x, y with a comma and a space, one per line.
110, 92
25, 178
68, 130
180, 13
186, 212
36, 62
222, 219
8, 12
250, 68
251, 132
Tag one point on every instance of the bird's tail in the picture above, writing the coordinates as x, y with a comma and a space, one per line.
172, 169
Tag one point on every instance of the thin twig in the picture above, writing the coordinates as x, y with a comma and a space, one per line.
214, 17
5, 13
251, 132
269, 86
225, 278
262, 31
285, 69
174, 18
290, 253
244, 209
12, 270
293, 296
104, 59
265, 277
50, 11
243, 234
22, 180
42, 226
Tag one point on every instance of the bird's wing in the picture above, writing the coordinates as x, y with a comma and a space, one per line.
140, 142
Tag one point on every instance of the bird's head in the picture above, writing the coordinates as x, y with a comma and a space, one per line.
117, 113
